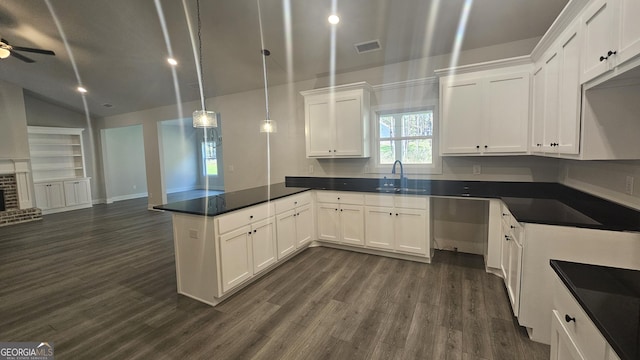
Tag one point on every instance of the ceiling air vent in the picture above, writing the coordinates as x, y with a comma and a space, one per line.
367, 46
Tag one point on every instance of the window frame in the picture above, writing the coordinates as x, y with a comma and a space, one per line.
203, 154
416, 169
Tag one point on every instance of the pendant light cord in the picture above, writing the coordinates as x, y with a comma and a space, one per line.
200, 69
265, 53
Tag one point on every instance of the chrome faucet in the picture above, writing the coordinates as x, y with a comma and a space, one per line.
402, 178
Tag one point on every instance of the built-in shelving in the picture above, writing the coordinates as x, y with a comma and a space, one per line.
58, 168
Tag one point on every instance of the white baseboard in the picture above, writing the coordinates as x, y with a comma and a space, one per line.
99, 201
126, 197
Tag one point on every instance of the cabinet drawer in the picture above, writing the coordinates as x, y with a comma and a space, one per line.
244, 217
289, 202
379, 200
340, 197
585, 334
411, 202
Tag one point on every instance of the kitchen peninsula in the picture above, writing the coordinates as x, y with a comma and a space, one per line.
225, 242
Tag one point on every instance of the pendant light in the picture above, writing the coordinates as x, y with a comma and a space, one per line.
267, 125
202, 118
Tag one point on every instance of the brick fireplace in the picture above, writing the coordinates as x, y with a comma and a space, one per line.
12, 213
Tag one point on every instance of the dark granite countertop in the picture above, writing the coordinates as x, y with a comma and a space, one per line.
231, 201
611, 299
529, 202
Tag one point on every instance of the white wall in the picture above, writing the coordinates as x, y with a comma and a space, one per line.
14, 141
180, 155
604, 178
125, 175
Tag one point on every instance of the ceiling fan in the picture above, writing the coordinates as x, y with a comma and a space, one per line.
6, 49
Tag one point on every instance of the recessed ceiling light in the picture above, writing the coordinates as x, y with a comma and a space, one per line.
82, 89
333, 19
172, 61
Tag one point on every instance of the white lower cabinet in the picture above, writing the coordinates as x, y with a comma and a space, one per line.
341, 220
56, 196
77, 192
294, 229
397, 228
49, 195
511, 257
249, 249
573, 335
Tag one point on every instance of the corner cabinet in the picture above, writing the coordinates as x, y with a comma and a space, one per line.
58, 167
337, 121
485, 112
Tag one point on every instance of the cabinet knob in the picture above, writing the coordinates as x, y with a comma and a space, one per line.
254, 231
538, 144
611, 52
334, 150
507, 238
250, 216
602, 58
298, 214
390, 214
338, 198
340, 209
329, 150
396, 214
513, 227
503, 214
568, 318
249, 233
486, 146
477, 146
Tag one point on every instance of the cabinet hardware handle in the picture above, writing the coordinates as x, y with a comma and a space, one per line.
340, 209
611, 52
295, 203
250, 216
513, 227
336, 209
507, 237
249, 232
486, 146
334, 151
568, 318
330, 150
390, 214
477, 146
254, 231
503, 214
602, 58
298, 214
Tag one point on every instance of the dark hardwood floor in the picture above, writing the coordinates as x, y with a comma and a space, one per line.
100, 283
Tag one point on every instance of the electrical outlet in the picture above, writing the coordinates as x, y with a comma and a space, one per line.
135, 187
477, 169
628, 186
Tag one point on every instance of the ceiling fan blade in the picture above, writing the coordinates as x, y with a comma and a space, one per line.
21, 57
37, 51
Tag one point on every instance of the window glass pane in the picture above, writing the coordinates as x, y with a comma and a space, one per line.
210, 158
387, 152
417, 124
417, 151
386, 127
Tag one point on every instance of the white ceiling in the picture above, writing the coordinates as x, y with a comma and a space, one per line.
120, 51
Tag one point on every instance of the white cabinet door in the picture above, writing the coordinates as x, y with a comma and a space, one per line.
77, 192
462, 120
352, 225
600, 33
551, 102
380, 231
506, 112
321, 130
514, 272
328, 222
411, 233
629, 32
539, 77
42, 196
568, 133
504, 258
562, 345
56, 195
263, 244
286, 228
304, 225
348, 122
235, 257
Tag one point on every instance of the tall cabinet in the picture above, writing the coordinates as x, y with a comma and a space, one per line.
58, 168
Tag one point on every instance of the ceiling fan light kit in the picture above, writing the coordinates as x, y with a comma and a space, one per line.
7, 50
4, 53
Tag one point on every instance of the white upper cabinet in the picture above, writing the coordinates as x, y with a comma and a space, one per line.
611, 36
485, 112
600, 32
556, 97
337, 121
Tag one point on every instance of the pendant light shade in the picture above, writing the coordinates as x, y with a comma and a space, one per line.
4, 53
268, 126
205, 119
